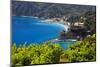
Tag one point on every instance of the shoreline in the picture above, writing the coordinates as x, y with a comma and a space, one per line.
52, 20
65, 24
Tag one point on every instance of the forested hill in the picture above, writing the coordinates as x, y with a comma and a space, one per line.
48, 10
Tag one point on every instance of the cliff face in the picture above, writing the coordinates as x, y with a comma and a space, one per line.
48, 10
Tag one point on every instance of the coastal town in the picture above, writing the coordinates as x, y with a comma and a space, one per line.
64, 21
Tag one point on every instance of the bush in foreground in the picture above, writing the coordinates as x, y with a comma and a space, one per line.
36, 54
81, 51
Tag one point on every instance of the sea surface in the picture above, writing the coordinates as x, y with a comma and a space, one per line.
27, 30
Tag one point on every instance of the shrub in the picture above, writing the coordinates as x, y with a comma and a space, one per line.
82, 50
36, 54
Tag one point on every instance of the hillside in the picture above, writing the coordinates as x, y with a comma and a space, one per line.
48, 10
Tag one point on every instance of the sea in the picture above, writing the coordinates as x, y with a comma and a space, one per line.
27, 30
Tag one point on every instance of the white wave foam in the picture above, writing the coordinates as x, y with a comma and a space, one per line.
65, 27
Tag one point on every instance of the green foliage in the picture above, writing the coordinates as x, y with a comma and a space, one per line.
81, 51
36, 54
53, 53
90, 22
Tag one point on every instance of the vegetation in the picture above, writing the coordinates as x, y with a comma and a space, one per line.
36, 54
52, 53
81, 51
48, 10
90, 23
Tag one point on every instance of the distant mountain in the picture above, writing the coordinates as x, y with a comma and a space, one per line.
48, 10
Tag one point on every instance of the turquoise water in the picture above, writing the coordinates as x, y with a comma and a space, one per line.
66, 44
31, 30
